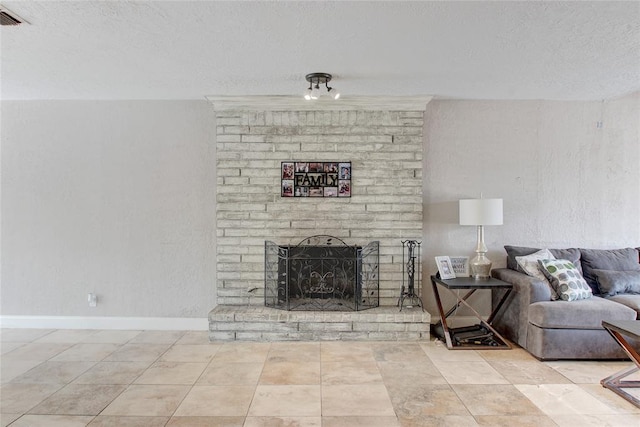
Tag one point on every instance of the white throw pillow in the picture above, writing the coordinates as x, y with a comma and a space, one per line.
529, 264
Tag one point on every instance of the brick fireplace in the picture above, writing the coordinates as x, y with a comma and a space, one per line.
383, 140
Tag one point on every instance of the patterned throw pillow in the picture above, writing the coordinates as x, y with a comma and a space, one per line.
529, 264
565, 279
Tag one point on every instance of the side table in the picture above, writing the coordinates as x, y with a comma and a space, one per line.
618, 329
481, 336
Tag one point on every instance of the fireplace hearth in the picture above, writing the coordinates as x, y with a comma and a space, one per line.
321, 273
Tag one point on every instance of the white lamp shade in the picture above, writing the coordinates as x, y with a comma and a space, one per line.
481, 212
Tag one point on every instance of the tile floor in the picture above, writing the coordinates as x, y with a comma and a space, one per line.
154, 378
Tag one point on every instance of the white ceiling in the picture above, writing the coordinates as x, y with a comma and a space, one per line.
189, 49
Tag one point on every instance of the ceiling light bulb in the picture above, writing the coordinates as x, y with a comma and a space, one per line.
333, 92
307, 95
315, 92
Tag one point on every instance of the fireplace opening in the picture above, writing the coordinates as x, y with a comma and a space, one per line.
322, 273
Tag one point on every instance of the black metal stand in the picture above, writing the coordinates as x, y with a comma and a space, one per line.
413, 273
615, 382
480, 336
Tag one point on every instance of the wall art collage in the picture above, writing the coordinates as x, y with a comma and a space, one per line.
316, 179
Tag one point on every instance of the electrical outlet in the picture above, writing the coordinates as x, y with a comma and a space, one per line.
93, 300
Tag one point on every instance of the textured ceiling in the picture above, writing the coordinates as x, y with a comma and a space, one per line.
189, 49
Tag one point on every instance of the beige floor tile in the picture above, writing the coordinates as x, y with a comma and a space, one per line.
410, 400
515, 420
191, 353
53, 372
626, 420
35, 351
52, 421
206, 422
610, 399
356, 400
401, 373
246, 352
283, 422
469, 372
22, 335
6, 347
147, 400
6, 419
587, 372
286, 401
60, 380
299, 373
438, 351
78, 399
12, 369
495, 399
111, 336
528, 372
106, 421
71, 336
19, 398
346, 352
236, 374
294, 352
172, 373
558, 399
157, 337
113, 373
438, 421
194, 337
360, 422
138, 353
87, 352
396, 352
334, 373
216, 401
515, 354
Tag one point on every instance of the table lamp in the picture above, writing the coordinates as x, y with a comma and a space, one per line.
481, 212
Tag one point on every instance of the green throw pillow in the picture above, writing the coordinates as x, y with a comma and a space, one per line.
565, 279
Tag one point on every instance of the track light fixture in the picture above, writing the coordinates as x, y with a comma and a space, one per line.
314, 91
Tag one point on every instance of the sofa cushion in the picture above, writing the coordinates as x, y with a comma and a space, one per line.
631, 301
582, 314
607, 259
612, 282
572, 254
565, 279
529, 265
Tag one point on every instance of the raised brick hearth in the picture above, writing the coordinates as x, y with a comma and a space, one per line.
251, 323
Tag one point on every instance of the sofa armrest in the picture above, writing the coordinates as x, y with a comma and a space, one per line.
513, 319
531, 288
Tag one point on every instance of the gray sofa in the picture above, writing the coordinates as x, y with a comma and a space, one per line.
569, 329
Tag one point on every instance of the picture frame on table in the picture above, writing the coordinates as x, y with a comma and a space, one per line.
445, 268
460, 265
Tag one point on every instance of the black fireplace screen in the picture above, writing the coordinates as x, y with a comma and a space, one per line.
321, 273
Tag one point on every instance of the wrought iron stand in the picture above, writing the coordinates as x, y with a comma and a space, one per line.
412, 273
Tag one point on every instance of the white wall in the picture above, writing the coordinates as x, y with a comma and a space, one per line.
118, 197
115, 198
565, 182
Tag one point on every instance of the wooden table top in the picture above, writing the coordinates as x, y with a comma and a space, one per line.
471, 283
625, 327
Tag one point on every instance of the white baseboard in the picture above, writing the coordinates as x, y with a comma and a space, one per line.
123, 323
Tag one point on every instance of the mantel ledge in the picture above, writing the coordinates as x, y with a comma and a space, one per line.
297, 103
